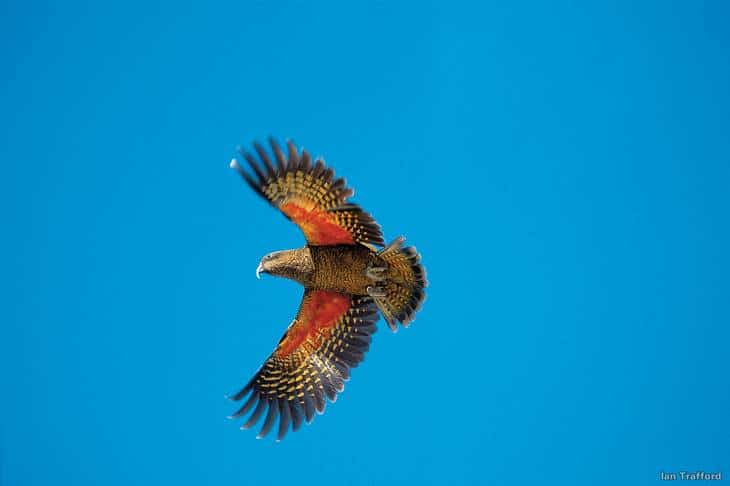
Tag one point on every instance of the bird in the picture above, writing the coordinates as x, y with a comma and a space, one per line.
350, 278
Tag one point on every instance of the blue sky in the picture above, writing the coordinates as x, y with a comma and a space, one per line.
562, 167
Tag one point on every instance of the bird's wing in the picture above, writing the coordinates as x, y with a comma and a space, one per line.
330, 335
308, 194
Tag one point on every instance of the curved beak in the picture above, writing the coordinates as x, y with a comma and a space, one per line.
259, 269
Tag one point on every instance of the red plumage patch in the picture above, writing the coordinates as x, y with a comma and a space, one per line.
317, 317
319, 227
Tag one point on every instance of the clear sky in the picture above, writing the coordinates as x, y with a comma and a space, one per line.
562, 167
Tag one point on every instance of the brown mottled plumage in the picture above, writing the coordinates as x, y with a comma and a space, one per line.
347, 280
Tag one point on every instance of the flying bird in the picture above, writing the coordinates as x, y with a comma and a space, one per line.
349, 277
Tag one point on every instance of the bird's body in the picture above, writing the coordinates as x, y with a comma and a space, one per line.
346, 281
337, 268
343, 268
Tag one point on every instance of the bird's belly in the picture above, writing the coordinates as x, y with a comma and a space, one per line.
341, 269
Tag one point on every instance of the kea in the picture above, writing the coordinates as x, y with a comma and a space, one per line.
349, 277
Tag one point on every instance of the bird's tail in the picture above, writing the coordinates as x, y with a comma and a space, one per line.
400, 292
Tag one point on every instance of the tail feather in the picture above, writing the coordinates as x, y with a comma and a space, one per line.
404, 285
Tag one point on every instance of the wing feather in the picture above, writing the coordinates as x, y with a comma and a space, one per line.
270, 417
308, 194
311, 363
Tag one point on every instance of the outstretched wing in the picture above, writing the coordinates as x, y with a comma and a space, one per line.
307, 194
330, 335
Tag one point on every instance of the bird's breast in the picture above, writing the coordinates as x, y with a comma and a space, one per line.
341, 268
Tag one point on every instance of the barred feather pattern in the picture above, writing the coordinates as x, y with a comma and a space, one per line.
308, 194
405, 284
294, 384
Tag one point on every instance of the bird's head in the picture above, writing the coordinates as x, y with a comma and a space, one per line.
293, 264
273, 263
